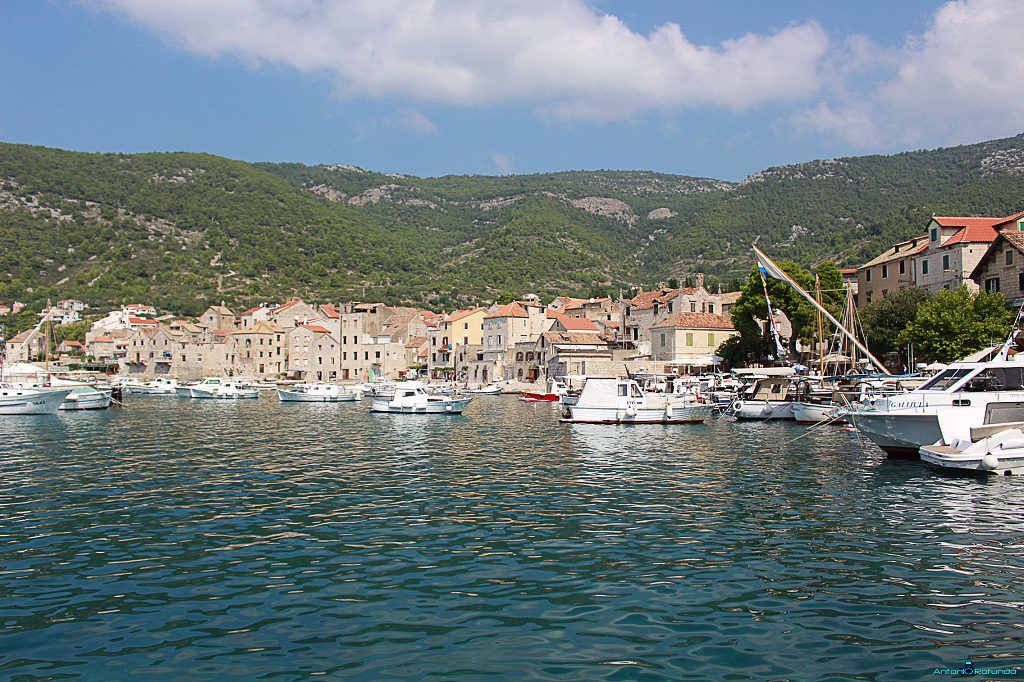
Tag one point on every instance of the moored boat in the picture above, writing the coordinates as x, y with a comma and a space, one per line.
86, 398
412, 397
225, 389
18, 401
316, 393
608, 400
158, 386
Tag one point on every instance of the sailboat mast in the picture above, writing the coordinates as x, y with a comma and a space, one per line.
821, 333
853, 339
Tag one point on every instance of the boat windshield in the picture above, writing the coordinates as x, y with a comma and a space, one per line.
946, 379
997, 379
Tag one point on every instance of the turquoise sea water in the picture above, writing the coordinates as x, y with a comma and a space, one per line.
184, 539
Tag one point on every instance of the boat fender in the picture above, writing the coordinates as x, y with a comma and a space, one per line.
668, 411
566, 414
736, 405
989, 462
448, 407
631, 411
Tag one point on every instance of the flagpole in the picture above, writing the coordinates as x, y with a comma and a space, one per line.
779, 273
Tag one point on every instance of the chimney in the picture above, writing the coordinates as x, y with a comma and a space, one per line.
700, 280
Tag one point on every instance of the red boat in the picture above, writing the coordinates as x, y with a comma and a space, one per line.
538, 397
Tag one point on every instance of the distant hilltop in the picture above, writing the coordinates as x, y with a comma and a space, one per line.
185, 230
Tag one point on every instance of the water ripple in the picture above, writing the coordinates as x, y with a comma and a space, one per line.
255, 540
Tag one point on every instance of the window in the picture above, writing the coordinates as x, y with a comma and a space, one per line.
662, 339
711, 340
935, 234
867, 297
689, 338
903, 267
992, 285
1020, 281
924, 267
885, 272
623, 390
1009, 257
693, 306
867, 275
711, 307
945, 262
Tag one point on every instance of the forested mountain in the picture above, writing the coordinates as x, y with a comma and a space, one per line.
183, 230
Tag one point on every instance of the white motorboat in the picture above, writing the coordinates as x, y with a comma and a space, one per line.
974, 393
31, 400
158, 386
412, 397
489, 389
86, 398
316, 393
768, 398
608, 400
992, 448
223, 389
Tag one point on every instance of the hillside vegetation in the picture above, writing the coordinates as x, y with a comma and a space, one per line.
184, 230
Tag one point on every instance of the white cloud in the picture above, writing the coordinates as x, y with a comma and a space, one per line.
961, 81
561, 55
410, 119
505, 164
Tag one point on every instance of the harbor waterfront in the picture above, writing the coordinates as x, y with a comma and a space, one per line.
180, 539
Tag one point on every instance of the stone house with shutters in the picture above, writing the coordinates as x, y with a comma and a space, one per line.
681, 338
312, 353
294, 313
639, 314
955, 247
259, 351
1001, 268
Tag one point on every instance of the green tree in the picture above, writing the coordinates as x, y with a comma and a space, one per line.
885, 319
956, 323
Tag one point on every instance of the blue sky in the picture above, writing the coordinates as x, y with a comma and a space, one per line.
720, 89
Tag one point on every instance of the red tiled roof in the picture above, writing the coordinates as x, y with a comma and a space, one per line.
73, 344
286, 306
459, 314
330, 311
139, 320
575, 324
1003, 222
646, 300
973, 233
696, 321
1014, 237
317, 328
250, 311
103, 339
416, 341
511, 310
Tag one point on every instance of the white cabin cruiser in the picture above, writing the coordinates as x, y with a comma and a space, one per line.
31, 400
972, 393
316, 393
768, 398
622, 401
996, 448
223, 389
158, 386
411, 397
86, 398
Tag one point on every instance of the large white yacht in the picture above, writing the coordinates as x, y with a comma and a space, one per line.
975, 393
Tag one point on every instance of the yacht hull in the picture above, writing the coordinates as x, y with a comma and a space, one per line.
29, 401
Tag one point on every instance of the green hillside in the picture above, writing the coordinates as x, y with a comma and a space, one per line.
184, 230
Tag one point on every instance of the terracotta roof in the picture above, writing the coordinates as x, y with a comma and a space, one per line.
139, 320
423, 353
574, 338
103, 339
250, 311
286, 306
330, 311
576, 324
646, 300
73, 343
316, 328
1013, 237
974, 234
459, 314
511, 310
696, 321
901, 250
730, 297
1009, 219
415, 341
